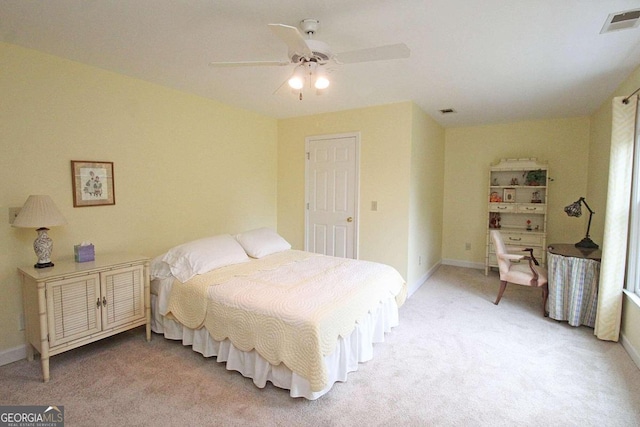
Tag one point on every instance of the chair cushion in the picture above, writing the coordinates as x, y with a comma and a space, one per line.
520, 274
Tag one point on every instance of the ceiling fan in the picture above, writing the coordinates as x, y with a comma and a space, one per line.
312, 58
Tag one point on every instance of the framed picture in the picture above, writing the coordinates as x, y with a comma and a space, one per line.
509, 195
92, 183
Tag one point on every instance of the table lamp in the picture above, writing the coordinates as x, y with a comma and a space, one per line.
40, 212
575, 209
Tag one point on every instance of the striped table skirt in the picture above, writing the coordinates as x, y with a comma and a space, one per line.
573, 289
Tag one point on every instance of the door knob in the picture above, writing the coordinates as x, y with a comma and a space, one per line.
350, 219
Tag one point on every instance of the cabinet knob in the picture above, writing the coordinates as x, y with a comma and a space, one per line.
104, 301
98, 303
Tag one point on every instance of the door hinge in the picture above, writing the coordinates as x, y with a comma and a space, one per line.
308, 155
307, 205
48, 338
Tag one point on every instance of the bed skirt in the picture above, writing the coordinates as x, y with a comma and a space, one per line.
349, 351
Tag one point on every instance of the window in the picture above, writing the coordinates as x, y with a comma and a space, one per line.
633, 260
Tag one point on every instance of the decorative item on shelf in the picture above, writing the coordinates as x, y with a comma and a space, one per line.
529, 225
575, 209
514, 181
495, 182
535, 177
494, 220
494, 197
84, 252
40, 212
509, 195
535, 197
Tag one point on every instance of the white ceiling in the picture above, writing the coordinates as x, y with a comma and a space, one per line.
491, 60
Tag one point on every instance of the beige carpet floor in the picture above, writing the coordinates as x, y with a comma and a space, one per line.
455, 360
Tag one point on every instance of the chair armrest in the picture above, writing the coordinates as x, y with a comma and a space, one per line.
531, 259
511, 257
530, 250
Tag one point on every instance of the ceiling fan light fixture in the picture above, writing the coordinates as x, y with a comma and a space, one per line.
296, 82
321, 82
297, 79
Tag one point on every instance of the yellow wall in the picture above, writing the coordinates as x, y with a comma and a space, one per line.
598, 182
385, 134
185, 167
425, 196
390, 135
469, 151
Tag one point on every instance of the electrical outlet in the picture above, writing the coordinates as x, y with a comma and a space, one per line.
374, 205
13, 213
420, 260
467, 246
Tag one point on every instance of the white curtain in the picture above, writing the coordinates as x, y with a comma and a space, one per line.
614, 246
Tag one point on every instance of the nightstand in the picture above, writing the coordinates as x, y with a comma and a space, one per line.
72, 304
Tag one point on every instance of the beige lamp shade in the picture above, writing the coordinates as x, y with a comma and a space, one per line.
39, 212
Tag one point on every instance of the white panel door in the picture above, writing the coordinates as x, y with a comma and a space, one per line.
331, 220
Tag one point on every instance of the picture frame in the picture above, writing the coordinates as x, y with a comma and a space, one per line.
93, 183
509, 195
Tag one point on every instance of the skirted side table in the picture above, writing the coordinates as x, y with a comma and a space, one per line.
573, 275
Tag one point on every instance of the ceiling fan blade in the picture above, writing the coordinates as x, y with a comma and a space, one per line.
380, 53
250, 64
293, 39
283, 84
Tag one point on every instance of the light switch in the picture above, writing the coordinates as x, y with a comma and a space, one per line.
374, 205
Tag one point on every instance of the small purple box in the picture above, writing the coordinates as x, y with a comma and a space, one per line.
84, 253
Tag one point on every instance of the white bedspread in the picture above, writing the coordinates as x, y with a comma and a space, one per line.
291, 307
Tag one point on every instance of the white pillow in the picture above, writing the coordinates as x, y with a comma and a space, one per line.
159, 269
262, 242
203, 255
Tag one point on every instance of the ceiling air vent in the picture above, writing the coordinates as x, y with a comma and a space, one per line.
621, 21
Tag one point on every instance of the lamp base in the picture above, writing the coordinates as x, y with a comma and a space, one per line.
43, 265
586, 243
43, 245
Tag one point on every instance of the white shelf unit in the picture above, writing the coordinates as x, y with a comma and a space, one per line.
517, 206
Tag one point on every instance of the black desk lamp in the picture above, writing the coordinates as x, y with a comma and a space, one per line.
574, 209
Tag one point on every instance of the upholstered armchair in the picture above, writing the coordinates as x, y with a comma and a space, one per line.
526, 274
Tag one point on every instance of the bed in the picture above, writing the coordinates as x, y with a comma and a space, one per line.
299, 320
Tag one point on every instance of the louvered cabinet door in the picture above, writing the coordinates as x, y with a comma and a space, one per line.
73, 308
122, 296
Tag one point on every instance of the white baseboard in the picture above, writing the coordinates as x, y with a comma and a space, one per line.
467, 264
633, 352
13, 355
416, 285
